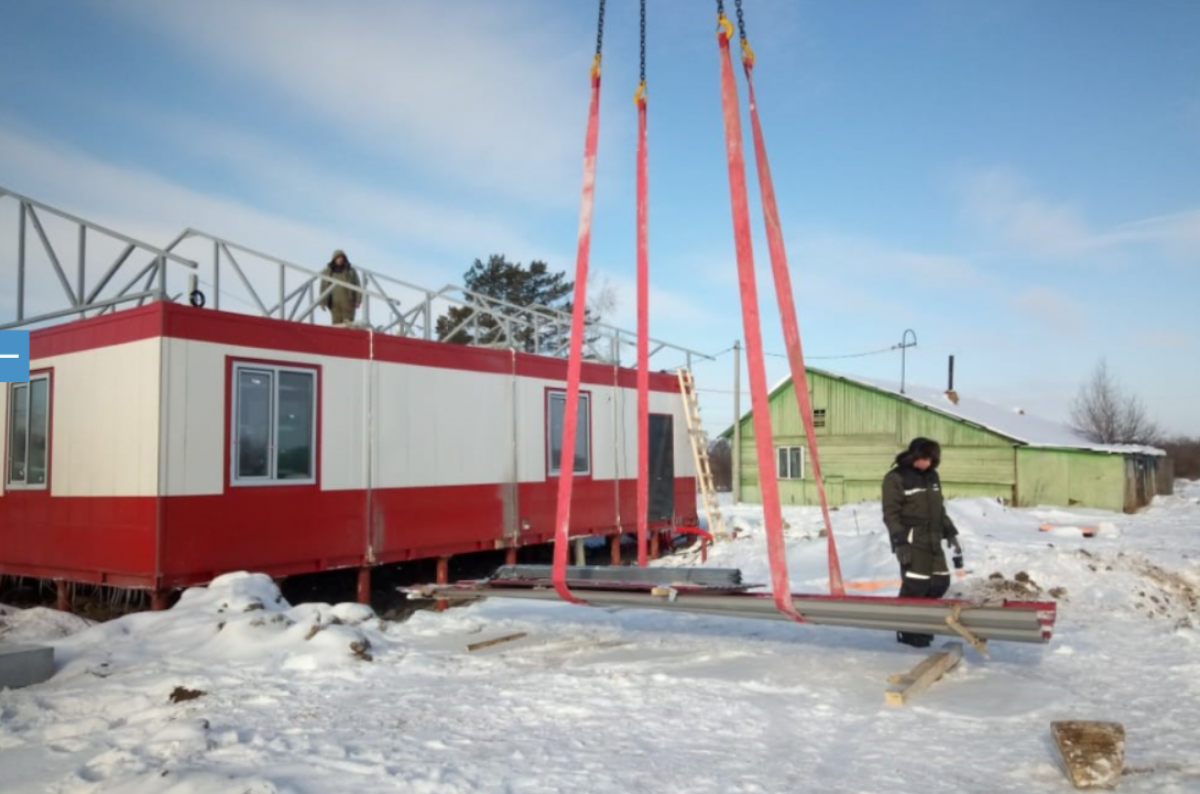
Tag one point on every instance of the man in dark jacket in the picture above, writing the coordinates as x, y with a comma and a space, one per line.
341, 300
916, 520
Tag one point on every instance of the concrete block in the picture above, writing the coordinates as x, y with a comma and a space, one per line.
23, 665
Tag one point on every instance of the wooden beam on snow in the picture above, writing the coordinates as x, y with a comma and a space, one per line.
924, 675
479, 646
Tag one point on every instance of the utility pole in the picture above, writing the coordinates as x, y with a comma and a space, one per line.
904, 345
736, 453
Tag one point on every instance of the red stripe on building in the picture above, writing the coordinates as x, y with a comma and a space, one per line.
179, 321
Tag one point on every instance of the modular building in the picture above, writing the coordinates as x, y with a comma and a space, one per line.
987, 450
160, 446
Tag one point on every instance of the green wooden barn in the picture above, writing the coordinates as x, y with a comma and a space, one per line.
987, 450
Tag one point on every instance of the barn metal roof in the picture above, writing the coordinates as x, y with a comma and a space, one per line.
1012, 423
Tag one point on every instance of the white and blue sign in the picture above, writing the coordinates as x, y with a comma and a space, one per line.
14, 356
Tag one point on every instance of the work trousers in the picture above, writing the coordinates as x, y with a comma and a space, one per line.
342, 315
927, 576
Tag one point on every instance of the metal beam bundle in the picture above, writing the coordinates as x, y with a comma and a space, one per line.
601, 575
669, 589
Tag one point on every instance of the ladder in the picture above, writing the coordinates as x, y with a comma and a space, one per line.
699, 442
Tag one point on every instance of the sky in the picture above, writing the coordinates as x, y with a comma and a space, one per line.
1018, 182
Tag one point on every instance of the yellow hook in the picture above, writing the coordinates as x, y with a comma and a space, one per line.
725, 25
639, 96
747, 53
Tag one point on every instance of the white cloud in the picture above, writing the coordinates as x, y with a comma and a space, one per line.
484, 93
1168, 339
1051, 308
393, 214
1002, 202
1005, 205
152, 209
861, 257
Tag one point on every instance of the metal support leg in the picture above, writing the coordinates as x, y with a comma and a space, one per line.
158, 600
510, 555
443, 577
654, 550
364, 585
580, 552
615, 548
63, 601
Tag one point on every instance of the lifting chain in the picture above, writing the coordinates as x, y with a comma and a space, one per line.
741, 21
642, 71
599, 44
600, 30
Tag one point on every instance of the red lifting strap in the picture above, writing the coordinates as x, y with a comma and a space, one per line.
643, 337
791, 327
768, 483
566, 463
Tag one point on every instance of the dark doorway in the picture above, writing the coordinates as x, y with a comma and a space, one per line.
662, 467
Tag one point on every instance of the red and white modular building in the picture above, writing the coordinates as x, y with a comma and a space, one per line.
161, 446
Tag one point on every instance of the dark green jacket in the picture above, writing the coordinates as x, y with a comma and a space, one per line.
339, 296
913, 510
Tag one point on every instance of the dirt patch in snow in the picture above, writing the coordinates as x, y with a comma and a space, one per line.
998, 588
1166, 594
181, 694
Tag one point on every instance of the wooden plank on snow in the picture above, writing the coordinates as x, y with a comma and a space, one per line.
478, 646
924, 675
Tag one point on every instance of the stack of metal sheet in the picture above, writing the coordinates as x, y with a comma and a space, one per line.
597, 576
720, 591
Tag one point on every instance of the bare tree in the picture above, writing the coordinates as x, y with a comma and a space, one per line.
1104, 413
720, 460
602, 299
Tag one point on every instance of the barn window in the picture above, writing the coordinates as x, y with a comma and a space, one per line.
29, 432
555, 415
818, 417
790, 463
274, 427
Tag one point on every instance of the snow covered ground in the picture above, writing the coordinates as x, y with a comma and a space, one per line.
234, 690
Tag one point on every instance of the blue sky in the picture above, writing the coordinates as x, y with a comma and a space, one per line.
1019, 182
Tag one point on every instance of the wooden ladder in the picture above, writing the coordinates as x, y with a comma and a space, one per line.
699, 442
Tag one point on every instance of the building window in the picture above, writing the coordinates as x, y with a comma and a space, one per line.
818, 417
29, 433
555, 414
275, 425
791, 463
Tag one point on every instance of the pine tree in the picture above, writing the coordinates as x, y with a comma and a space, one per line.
527, 288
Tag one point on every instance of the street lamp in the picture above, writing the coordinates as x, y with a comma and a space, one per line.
904, 345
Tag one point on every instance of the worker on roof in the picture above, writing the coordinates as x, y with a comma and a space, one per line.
916, 520
340, 300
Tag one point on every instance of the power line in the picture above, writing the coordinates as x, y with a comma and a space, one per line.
845, 355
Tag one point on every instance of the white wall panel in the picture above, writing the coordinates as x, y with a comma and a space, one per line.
430, 426
195, 422
442, 427
343, 422
104, 414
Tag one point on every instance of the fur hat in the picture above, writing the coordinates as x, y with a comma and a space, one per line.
921, 449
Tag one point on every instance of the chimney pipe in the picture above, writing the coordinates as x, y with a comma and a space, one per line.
951, 394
